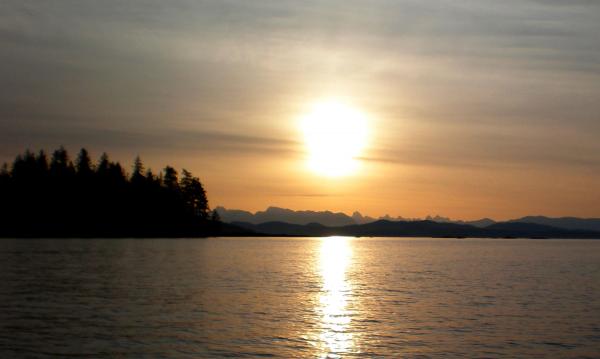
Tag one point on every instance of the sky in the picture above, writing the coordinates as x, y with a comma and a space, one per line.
475, 108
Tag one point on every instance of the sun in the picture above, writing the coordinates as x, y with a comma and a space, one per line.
335, 134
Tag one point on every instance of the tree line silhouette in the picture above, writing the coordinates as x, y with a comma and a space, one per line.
56, 197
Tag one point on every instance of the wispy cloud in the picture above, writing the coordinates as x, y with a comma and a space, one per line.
198, 142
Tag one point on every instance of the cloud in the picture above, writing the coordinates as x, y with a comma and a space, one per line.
493, 149
174, 141
217, 77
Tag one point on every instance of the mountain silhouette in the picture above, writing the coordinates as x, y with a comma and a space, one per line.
326, 218
277, 214
385, 228
591, 224
338, 219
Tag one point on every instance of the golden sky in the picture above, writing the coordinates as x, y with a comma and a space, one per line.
472, 108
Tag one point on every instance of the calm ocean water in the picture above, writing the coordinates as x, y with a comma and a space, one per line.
290, 297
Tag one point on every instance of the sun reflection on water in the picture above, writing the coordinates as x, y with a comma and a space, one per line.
335, 337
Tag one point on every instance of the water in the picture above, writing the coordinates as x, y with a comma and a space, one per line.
289, 297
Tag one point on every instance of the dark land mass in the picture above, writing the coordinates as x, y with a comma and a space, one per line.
56, 197
384, 228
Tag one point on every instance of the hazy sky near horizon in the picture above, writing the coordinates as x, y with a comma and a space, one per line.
475, 107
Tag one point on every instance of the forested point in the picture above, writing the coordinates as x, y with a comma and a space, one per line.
57, 197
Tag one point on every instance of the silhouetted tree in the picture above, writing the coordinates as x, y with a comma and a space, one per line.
137, 175
116, 173
22, 168
194, 195
83, 163
42, 162
152, 179
60, 165
170, 179
103, 165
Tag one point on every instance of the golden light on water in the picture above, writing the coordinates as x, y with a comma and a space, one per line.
336, 254
335, 134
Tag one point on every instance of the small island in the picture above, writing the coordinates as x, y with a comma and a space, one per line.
58, 197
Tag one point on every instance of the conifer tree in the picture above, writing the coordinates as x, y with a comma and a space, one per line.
170, 179
194, 195
60, 165
137, 176
42, 162
103, 165
84, 163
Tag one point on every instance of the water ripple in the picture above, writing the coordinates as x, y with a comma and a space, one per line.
297, 298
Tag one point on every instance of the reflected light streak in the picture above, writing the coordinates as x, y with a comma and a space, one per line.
336, 254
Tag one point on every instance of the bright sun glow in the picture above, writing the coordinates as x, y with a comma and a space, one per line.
335, 135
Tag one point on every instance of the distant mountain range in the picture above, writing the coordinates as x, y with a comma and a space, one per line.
326, 218
591, 224
276, 214
385, 228
339, 219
